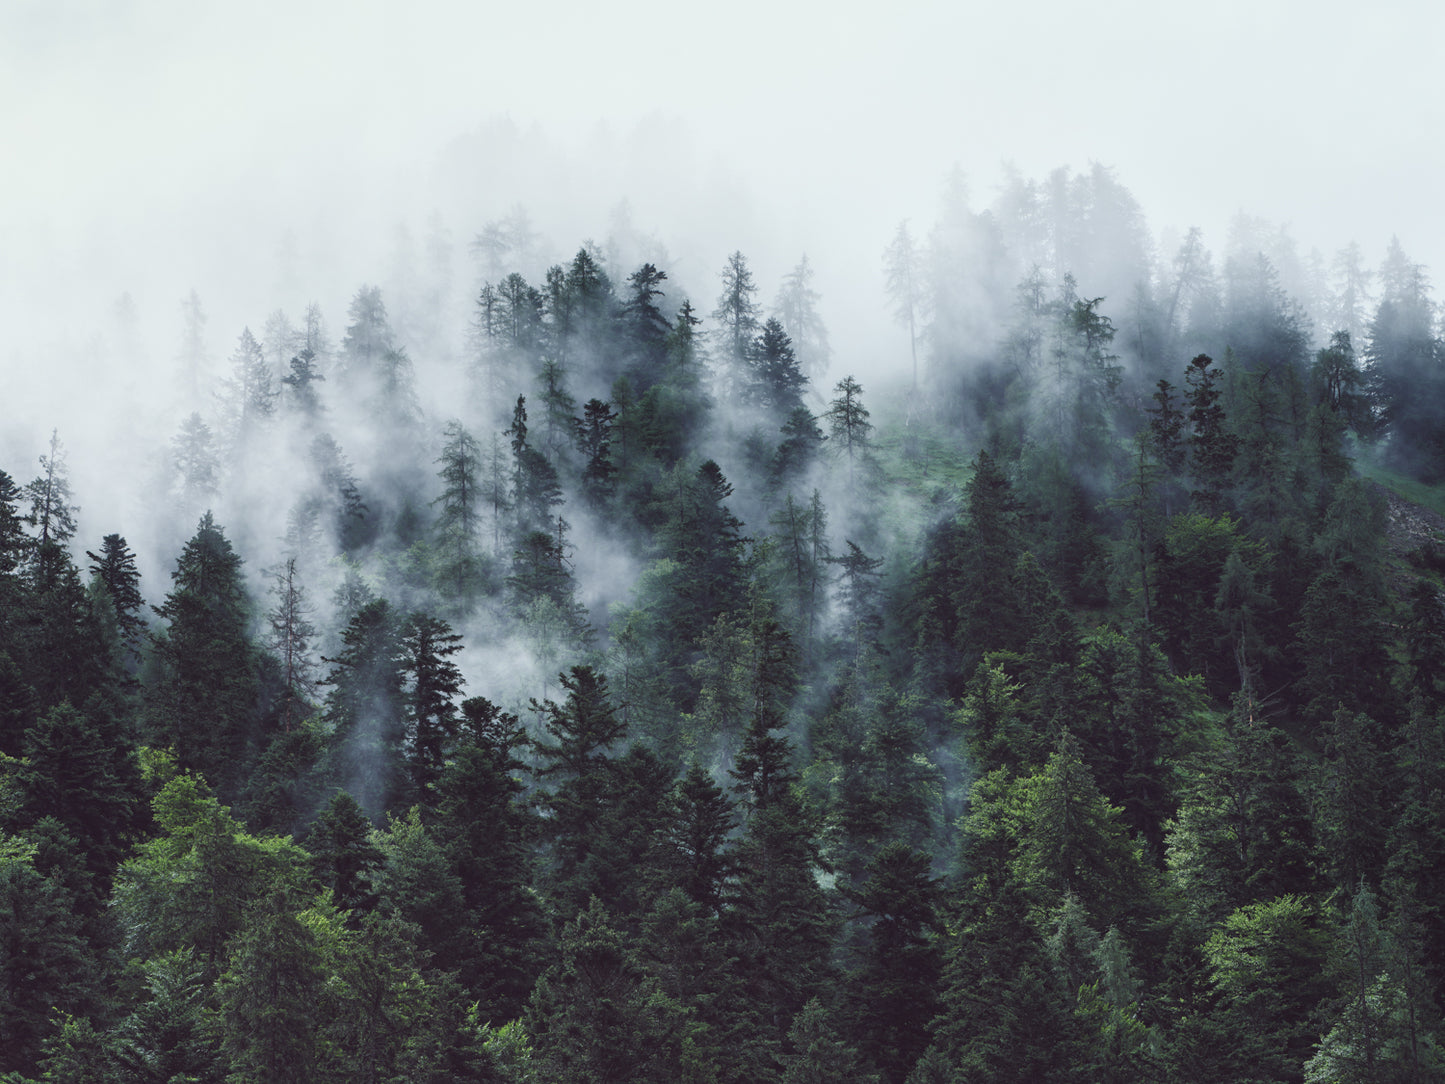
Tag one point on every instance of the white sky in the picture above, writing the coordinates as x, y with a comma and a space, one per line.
153, 146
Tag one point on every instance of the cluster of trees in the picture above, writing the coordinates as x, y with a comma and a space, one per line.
1063, 713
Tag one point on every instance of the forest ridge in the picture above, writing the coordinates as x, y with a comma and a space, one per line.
657, 705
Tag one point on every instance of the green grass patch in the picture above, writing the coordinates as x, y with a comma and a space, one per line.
1426, 496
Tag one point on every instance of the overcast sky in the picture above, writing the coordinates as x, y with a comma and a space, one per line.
153, 146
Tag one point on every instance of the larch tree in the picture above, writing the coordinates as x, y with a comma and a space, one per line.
290, 635
796, 306
462, 504
906, 282
737, 316
848, 424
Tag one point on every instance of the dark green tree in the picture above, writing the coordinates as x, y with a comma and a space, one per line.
431, 683
343, 856
203, 701
487, 834
44, 963
290, 635
51, 513
798, 450
594, 439
270, 998
366, 707
597, 1017
893, 992
462, 502
115, 567
848, 425
1212, 447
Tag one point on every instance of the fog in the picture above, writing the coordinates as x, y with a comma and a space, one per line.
273, 155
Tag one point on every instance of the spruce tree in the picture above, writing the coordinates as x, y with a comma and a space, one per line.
204, 703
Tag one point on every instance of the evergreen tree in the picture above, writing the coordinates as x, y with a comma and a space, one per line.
203, 703
798, 451
1405, 373
646, 326
779, 924
535, 489
45, 967
80, 769
270, 998
894, 990
431, 684
1265, 964
797, 307
1212, 448
773, 379
695, 857
594, 440
737, 318
196, 466
365, 708
303, 398
291, 632
486, 833
343, 856
598, 1018
462, 502
169, 1035
906, 282
858, 574
248, 397
51, 514
115, 567
849, 425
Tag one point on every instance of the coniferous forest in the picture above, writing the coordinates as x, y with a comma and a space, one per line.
1063, 700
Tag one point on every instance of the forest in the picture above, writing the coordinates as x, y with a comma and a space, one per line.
659, 703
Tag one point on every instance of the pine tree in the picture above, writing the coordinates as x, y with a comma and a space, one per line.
695, 846
773, 379
248, 397
798, 450
343, 856
858, 574
366, 708
849, 425
535, 489
597, 1017
302, 396
646, 326
51, 513
45, 967
291, 632
462, 502
486, 833
737, 317
80, 769
270, 998
115, 567
196, 465
906, 284
797, 308
893, 993
1212, 447
431, 684
204, 703
594, 440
